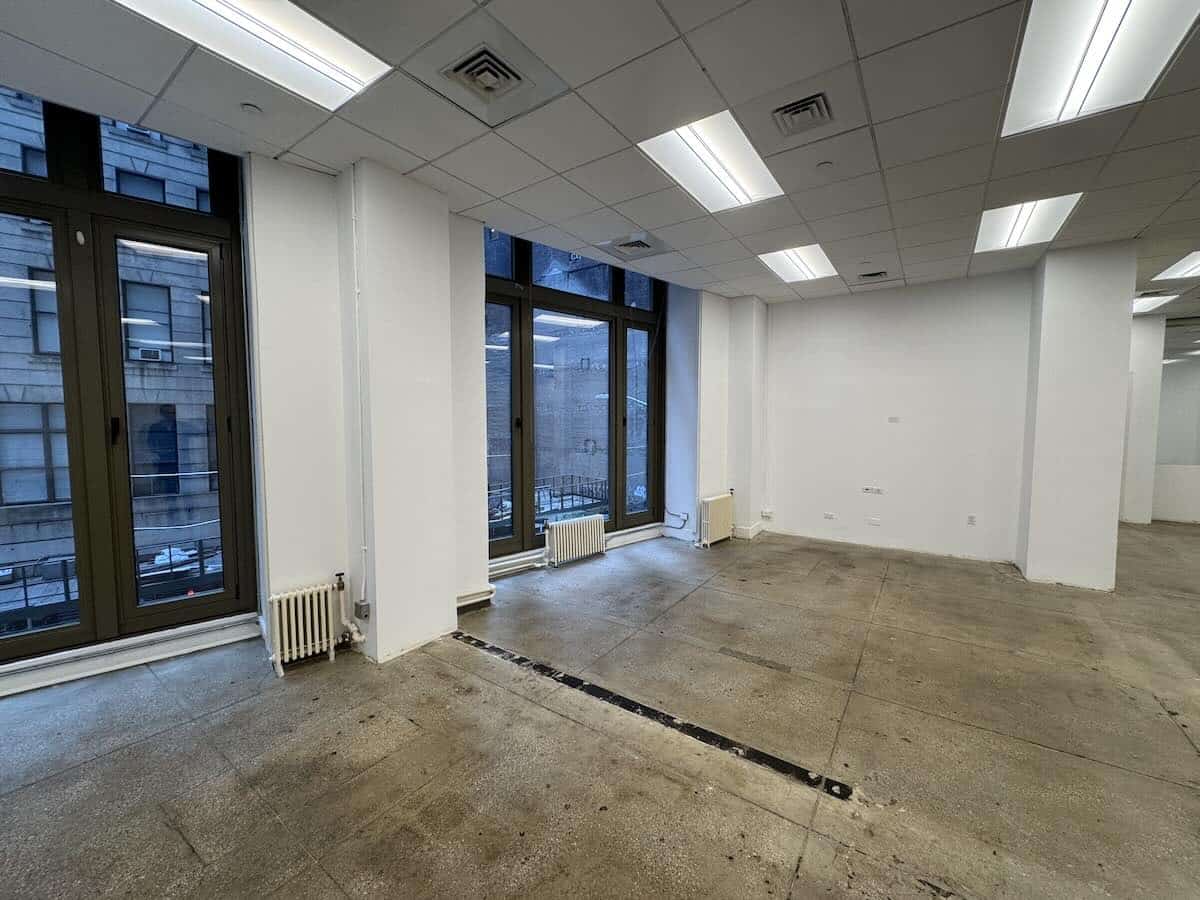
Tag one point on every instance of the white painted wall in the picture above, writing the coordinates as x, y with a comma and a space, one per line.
1141, 429
470, 407
1080, 393
1179, 418
683, 382
747, 398
712, 456
295, 333
949, 361
1177, 494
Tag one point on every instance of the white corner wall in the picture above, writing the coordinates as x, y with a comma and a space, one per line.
1141, 429
1177, 475
1075, 431
295, 335
712, 453
747, 398
683, 382
919, 392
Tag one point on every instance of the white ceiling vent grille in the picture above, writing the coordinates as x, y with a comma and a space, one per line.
485, 73
631, 247
634, 246
801, 115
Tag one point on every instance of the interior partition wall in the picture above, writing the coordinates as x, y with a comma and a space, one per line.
575, 392
125, 495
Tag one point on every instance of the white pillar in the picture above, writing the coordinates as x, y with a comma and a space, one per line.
1075, 415
747, 385
1141, 433
683, 384
712, 453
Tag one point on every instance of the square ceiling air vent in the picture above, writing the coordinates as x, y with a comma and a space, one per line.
634, 246
801, 115
485, 73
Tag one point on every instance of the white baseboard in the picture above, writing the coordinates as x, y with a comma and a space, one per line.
633, 535
80, 662
475, 597
748, 532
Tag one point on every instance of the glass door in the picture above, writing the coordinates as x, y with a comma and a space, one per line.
640, 407
502, 349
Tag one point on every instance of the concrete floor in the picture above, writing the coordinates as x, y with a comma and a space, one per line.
1002, 738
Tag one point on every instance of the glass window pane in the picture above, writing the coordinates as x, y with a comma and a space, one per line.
146, 316
38, 586
637, 420
154, 166
22, 135
570, 405
497, 253
176, 509
498, 373
639, 290
571, 272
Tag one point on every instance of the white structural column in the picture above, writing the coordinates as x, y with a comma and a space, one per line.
712, 437
683, 383
747, 402
400, 350
1075, 415
1141, 432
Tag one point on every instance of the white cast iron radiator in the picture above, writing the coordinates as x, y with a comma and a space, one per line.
574, 539
304, 623
716, 519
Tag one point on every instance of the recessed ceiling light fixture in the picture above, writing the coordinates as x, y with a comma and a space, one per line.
1188, 267
1080, 57
799, 263
1146, 304
275, 39
1032, 222
712, 160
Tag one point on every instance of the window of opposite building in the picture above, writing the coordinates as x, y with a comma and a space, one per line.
150, 165
147, 321
33, 454
22, 133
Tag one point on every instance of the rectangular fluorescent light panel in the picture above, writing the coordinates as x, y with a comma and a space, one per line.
1188, 267
275, 39
1080, 57
1022, 224
799, 263
1146, 304
712, 160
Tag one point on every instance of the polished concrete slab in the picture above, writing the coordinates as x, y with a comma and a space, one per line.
1003, 739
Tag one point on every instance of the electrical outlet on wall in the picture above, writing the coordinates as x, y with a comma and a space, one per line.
829, 515
767, 512
870, 489
971, 520
874, 520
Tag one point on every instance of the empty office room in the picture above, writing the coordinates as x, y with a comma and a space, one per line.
565, 448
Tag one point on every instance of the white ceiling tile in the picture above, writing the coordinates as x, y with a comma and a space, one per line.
25, 67
936, 269
841, 196
1131, 196
862, 271
216, 89
1128, 223
769, 43
940, 250
1081, 139
664, 262
690, 278
296, 159
1158, 161
859, 248
1184, 74
761, 285
821, 287
692, 234
622, 176
655, 93
580, 39
563, 134
1180, 212
739, 268
1165, 119
553, 236
390, 30
879, 24
840, 86
503, 217
553, 200
1055, 182
409, 114
1188, 230
493, 164
338, 144
100, 35
179, 122
720, 252
460, 194
864, 221
937, 231
690, 13
598, 226
948, 205
762, 216
932, 132
965, 59
779, 239
941, 173
851, 154
724, 289
661, 208
1005, 260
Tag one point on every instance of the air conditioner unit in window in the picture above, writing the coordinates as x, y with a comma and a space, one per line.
153, 355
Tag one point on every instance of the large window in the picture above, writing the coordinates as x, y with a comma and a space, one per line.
22, 133
566, 339
154, 166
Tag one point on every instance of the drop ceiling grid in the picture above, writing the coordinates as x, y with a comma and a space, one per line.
1121, 160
